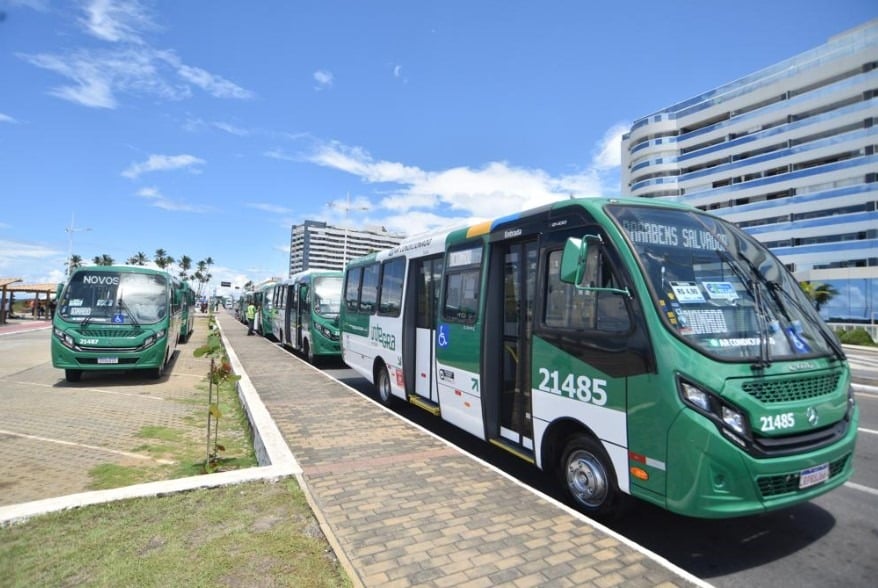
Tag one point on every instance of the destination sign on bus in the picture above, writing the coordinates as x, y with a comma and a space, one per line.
671, 236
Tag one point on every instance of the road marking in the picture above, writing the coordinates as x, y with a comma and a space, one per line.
861, 488
146, 396
95, 447
862, 430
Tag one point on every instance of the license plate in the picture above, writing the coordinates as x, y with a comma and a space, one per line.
108, 360
814, 476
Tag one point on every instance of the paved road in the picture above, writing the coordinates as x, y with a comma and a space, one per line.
831, 541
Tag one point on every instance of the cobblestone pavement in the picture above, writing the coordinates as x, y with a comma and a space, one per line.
407, 509
53, 433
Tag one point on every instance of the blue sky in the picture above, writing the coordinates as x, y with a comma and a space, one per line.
209, 127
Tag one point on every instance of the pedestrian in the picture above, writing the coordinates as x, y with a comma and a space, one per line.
251, 317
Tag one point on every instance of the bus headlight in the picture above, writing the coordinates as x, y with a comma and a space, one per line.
63, 338
731, 421
734, 420
695, 395
151, 340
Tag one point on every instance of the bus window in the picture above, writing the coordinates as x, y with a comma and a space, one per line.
570, 308
462, 285
391, 287
369, 289
352, 289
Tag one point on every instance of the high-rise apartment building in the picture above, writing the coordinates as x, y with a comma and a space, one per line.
317, 245
787, 153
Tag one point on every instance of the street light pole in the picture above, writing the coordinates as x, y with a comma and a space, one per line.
347, 208
70, 230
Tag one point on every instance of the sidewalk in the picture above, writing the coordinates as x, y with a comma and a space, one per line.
18, 325
402, 507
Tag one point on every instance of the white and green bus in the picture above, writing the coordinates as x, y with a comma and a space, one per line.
117, 318
306, 311
626, 346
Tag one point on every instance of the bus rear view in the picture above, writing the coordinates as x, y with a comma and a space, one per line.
115, 318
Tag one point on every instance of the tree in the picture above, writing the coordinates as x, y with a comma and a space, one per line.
818, 294
162, 259
138, 259
75, 261
103, 259
185, 264
202, 274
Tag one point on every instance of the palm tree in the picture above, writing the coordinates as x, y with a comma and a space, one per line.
103, 259
75, 261
185, 264
138, 259
819, 294
162, 259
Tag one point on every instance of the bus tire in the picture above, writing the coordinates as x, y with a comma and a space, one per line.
72, 375
382, 384
589, 479
309, 352
156, 373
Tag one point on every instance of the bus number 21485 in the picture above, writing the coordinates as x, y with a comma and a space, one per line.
581, 388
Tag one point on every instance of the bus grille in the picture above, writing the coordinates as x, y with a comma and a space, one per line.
770, 486
110, 332
786, 390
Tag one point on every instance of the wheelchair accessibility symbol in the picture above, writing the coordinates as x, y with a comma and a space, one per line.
442, 337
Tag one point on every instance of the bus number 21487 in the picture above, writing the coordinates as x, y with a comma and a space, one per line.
581, 388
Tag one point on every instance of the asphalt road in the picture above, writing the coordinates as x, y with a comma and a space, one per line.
831, 541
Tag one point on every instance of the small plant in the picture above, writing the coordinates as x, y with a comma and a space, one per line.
220, 376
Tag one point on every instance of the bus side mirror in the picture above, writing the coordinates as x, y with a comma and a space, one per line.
574, 258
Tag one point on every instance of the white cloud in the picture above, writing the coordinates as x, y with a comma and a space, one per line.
127, 64
116, 20
5, 118
420, 200
162, 163
159, 200
272, 208
324, 79
609, 150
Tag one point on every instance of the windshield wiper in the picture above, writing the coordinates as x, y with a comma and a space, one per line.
755, 291
121, 305
819, 325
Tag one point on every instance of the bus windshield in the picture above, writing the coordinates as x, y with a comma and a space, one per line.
115, 297
723, 292
327, 296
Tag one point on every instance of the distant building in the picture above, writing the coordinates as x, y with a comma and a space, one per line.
787, 153
317, 245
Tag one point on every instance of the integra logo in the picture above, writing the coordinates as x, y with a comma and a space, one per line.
94, 279
386, 340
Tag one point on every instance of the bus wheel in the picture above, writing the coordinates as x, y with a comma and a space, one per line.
309, 353
588, 478
157, 372
382, 383
72, 375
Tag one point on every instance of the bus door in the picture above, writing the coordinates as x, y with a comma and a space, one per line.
420, 327
303, 320
507, 347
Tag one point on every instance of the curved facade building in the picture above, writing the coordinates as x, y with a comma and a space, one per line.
790, 154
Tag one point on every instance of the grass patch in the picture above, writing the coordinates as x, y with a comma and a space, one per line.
253, 534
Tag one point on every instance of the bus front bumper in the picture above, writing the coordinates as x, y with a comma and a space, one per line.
710, 477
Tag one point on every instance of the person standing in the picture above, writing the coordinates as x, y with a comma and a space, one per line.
251, 317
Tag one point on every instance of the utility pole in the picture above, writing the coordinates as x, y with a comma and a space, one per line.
70, 230
347, 208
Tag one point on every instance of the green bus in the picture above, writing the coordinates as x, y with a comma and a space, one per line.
626, 347
116, 318
187, 308
305, 313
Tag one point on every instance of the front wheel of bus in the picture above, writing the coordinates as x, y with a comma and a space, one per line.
382, 383
72, 375
589, 478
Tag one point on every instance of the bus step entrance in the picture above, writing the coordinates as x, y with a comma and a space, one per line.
515, 449
425, 403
